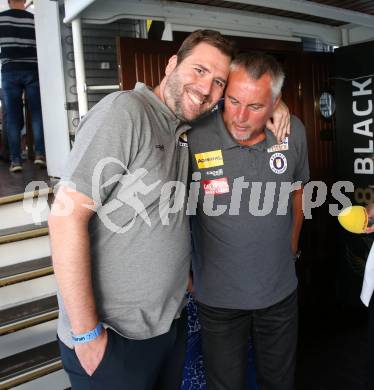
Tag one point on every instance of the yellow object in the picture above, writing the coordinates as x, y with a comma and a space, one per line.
149, 23
209, 159
354, 219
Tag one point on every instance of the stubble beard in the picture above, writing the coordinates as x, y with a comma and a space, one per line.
174, 98
241, 138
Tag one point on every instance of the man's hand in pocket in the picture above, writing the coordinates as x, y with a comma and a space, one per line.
91, 354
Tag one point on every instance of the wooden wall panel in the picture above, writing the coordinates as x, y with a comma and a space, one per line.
317, 271
317, 73
142, 60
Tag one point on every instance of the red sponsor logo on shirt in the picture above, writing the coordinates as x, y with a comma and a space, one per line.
216, 186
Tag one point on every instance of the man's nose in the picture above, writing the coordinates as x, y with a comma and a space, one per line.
242, 114
205, 85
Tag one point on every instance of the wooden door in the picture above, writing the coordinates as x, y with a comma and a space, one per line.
320, 234
317, 77
142, 60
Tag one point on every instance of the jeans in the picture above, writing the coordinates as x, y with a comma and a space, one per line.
13, 85
225, 335
152, 364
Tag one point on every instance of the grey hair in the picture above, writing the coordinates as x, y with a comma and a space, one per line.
257, 64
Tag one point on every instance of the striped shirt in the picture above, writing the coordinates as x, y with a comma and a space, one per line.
17, 40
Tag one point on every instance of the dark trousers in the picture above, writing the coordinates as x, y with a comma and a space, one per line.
370, 359
152, 364
225, 340
14, 83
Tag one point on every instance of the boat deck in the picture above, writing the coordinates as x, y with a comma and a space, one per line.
15, 183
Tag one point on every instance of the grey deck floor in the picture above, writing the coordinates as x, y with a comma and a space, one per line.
15, 183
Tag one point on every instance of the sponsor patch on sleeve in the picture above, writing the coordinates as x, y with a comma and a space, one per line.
216, 186
209, 159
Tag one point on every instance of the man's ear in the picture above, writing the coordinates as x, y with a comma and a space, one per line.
172, 64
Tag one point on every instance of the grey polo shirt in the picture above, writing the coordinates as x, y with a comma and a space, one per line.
127, 149
242, 228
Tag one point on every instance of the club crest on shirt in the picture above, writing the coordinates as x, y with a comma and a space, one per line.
280, 147
278, 163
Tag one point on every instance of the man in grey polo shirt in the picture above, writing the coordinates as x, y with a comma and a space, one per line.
246, 230
121, 257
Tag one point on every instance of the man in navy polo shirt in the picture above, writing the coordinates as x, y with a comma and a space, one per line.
246, 230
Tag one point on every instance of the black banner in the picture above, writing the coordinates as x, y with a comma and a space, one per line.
354, 87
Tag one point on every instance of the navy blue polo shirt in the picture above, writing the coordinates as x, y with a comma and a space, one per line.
242, 228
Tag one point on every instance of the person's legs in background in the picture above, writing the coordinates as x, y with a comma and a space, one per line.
24, 150
4, 152
12, 99
31, 82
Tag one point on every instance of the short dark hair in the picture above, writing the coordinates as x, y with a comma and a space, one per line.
211, 37
257, 64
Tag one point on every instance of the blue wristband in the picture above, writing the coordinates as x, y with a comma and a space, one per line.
89, 336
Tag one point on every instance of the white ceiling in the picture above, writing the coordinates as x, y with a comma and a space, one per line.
186, 16
3, 5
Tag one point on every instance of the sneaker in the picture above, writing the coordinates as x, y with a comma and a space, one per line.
40, 160
15, 167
